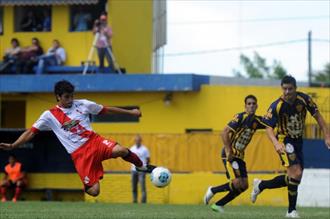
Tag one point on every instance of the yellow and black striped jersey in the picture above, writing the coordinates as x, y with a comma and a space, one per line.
289, 118
243, 126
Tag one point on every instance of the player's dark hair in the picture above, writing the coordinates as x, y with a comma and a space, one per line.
62, 87
288, 79
250, 97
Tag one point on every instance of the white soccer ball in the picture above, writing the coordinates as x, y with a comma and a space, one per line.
160, 177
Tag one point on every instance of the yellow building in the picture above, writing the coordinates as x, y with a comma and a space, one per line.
132, 35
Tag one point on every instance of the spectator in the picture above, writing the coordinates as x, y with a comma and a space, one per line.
81, 20
139, 177
104, 43
55, 56
47, 22
28, 57
15, 177
29, 23
10, 56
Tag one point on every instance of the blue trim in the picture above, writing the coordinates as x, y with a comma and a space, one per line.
103, 82
316, 154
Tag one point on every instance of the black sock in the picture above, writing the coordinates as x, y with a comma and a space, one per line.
293, 193
221, 188
229, 197
277, 182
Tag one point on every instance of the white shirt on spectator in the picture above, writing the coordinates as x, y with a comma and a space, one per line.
59, 54
142, 152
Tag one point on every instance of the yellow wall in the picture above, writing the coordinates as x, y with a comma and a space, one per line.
212, 107
196, 152
132, 40
184, 189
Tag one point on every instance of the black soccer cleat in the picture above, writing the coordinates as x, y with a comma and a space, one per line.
146, 169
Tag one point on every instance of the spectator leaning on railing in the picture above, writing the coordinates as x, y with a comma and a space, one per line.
55, 56
28, 57
10, 56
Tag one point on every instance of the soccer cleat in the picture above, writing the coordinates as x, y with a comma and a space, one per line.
292, 214
217, 208
14, 199
146, 168
3, 199
255, 191
208, 195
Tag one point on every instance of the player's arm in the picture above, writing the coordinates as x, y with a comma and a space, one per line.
320, 120
279, 147
225, 135
25, 137
112, 109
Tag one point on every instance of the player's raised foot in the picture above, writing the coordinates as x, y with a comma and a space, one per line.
292, 214
217, 208
208, 195
146, 168
3, 199
255, 191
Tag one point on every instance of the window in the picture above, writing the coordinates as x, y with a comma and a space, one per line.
1, 20
33, 18
116, 117
82, 17
12, 114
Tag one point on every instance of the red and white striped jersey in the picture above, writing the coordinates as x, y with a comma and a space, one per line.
71, 125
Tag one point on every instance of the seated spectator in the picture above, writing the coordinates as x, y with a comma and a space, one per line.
28, 57
55, 56
29, 22
10, 56
15, 177
81, 20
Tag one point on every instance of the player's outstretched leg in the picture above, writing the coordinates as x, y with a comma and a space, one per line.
211, 191
255, 190
129, 156
260, 185
147, 168
208, 195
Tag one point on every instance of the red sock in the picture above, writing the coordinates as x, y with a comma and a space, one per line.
133, 158
3, 192
18, 191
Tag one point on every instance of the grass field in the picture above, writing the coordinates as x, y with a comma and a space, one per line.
136, 211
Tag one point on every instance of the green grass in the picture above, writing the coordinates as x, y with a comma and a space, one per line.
146, 211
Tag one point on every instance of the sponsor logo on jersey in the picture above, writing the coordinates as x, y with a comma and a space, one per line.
86, 180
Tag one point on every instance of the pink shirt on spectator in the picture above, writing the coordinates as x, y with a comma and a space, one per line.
104, 38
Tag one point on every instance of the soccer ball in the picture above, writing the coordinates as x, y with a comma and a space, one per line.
160, 177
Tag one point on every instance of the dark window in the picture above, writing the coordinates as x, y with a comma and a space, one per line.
33, 18
12, 114
116, 117
82, 17
198, 130
1, 20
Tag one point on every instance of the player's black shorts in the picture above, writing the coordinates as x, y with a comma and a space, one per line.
293, 152
235, 168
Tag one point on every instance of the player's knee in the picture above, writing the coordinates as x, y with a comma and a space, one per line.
119, 151
93, 192
244, 186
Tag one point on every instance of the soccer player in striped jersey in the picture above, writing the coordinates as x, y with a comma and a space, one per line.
236, 137
287, 116
70, 122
